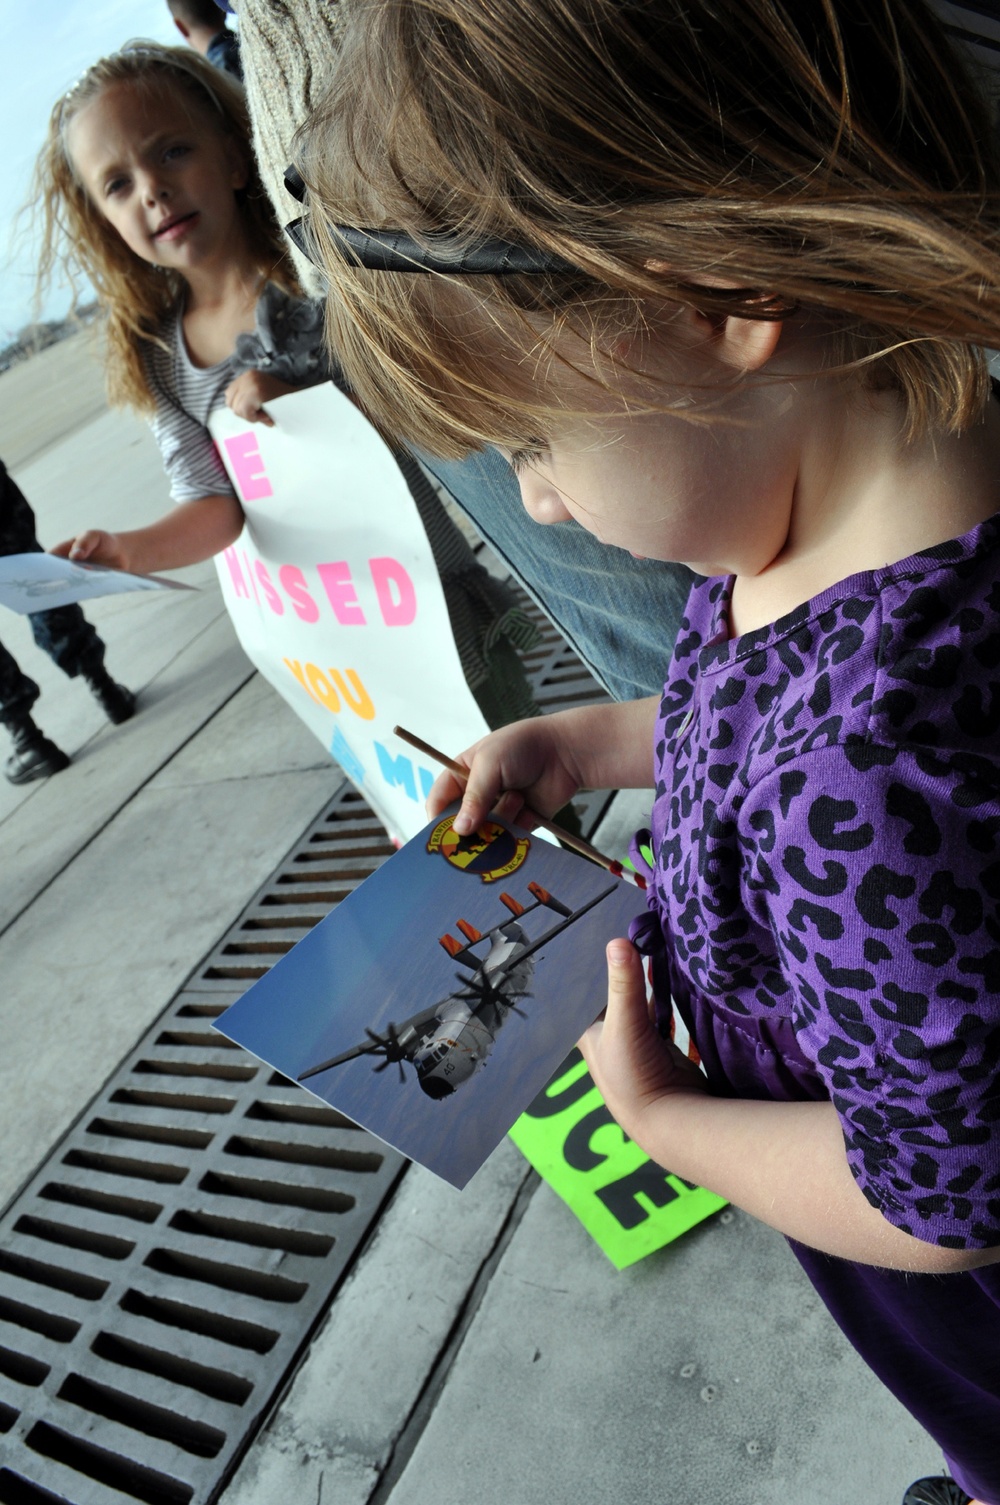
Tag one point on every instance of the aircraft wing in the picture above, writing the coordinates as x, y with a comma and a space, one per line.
406, 1037
549, 934
370, 1047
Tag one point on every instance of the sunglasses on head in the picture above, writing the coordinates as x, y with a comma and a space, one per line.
395, 251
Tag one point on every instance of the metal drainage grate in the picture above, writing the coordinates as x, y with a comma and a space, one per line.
163, 1270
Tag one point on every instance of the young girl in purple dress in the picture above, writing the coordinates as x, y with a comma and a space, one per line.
719, 280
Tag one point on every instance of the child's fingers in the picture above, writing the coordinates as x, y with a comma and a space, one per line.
630, 1064
482, 794
621, 1026
444, 791
83, 546
627, 1013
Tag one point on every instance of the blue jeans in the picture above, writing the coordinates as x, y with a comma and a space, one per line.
619, 614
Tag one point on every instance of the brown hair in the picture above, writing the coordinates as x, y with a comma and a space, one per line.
77, 240
825, 154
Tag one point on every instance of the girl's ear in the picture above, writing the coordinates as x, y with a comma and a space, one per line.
743, 344
747, 344
239, 165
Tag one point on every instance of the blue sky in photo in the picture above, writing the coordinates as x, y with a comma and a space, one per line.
46, 48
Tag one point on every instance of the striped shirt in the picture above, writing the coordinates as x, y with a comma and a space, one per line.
287, 342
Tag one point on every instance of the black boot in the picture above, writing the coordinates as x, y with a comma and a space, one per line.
34, 756
935, 1491
117, 703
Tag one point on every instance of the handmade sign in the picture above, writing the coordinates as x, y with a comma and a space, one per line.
334, 595
437, 999
38, 582
628, 1205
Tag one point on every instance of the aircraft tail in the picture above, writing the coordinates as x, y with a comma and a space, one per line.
544, 897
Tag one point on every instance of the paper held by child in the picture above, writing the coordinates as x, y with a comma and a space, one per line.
433, 1005
39, 582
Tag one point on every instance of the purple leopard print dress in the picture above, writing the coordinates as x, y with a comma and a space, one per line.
827, 881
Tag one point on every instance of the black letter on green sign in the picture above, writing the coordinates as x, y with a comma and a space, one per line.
620, 1197
546, 1106
577, 1149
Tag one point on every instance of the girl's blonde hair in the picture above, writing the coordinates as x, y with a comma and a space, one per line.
78, 242
828, 155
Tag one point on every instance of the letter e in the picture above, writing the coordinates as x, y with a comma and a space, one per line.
387, 574
340, 593
244, 456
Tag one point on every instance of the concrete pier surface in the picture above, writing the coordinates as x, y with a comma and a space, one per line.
483, 1349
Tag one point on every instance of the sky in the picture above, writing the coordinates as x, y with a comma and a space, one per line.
45, 49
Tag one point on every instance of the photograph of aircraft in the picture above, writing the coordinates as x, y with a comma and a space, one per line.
433, 1031
450, 1041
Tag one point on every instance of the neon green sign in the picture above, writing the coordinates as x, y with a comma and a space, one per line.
626, 1203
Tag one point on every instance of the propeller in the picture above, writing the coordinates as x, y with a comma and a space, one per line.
388, 1046
486, 991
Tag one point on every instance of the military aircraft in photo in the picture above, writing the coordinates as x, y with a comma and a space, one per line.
447, 1043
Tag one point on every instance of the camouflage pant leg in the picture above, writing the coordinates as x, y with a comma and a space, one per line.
18, 693
63, 632
69, 639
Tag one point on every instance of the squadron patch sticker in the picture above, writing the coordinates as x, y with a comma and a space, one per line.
491, 852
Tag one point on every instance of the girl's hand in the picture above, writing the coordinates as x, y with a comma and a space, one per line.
524, 762
94, 547
631, 1064
250, 391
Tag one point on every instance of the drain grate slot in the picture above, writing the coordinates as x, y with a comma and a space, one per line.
34, 1320
304, 1153
233, 1331
56, 1277
223, 1071
150, 1133
181, 1102
120, 1165
241, 1278
155, 1421
124, 1474
101, 1201
22, 1368
306, 1111
257, 1235
74, 1237
15, 1490
315, 1198
218, 1384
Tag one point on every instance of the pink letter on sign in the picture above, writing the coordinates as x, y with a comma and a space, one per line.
294, 583
340, 591
245, 459
239, 583
388, 574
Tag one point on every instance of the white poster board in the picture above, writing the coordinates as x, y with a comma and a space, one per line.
335, 598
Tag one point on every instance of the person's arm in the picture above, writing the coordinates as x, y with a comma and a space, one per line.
784, 1163
248, 393
188, 533
542, 762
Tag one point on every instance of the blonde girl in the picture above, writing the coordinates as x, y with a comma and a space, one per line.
147, 187
718, 281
